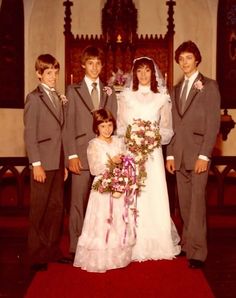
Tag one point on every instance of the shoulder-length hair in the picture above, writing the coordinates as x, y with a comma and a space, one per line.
141, 63
101, 116
189, 47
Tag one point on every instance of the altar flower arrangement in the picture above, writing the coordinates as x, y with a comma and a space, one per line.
198, 85
119, 78
117, 178
141, 138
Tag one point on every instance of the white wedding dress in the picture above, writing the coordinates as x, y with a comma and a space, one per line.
107, 239
157, 237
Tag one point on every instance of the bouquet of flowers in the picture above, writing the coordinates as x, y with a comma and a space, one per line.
117, 178
141, 138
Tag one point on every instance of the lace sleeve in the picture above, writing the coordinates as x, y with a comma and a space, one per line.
121, 146
97, 164
121, 116
166, 129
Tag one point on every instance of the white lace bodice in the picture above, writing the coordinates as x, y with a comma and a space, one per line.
146, 105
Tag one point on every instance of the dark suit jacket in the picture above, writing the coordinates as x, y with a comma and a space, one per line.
44, 130
195, 131
80, 119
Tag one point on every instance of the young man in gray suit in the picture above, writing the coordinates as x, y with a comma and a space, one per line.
84, 97
196, 120
44, 135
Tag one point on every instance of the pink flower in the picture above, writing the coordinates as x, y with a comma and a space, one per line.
107, 90
198, 85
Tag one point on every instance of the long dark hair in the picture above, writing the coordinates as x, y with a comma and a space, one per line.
140, 63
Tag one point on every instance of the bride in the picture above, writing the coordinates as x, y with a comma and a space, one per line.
147, 99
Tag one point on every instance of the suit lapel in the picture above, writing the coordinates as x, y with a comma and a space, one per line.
191, 96
84, 95
177, 96
47, 102
193, 92
103, 96
83, 92
62, 115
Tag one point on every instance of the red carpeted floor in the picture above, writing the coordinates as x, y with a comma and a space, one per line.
159, 279
164, 279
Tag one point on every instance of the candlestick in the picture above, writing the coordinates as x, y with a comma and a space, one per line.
165, 78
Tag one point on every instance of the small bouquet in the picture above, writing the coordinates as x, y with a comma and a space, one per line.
141, 138
117, 178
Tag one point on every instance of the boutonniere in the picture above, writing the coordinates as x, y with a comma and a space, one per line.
198, 85
107, 90
63, 99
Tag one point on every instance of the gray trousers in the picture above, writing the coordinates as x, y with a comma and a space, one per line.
80, 190
46, 217
192, 202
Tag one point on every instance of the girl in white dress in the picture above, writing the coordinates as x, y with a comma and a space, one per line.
147, 99
108, 233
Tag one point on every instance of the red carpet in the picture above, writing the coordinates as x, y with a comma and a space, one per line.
164, 279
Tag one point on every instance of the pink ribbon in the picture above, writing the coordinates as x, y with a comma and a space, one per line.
110, 219
130, 194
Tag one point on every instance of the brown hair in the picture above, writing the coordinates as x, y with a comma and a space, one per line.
101, 116
189, 47
140, 63
92, 52
46, 61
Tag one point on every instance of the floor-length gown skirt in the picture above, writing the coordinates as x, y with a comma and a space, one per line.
157, 237
106, 241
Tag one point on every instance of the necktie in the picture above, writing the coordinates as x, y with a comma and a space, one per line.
56, 102
183, 96
94, 95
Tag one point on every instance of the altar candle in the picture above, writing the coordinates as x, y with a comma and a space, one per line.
166, 78
71, 78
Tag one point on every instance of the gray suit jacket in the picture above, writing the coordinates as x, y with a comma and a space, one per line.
80, 120
195, 131
44, 132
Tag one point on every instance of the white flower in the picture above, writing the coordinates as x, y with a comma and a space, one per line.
135, 127
138, 157
198, 85
63, 99
137, 140
107, 90
150, 134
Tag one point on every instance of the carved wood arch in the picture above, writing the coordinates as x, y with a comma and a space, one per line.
119, 41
